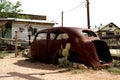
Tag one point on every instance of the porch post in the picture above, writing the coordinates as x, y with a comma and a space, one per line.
16, 43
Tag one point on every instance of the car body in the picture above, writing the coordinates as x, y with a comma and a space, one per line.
86, 46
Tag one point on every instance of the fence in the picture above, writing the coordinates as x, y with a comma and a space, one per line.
4, 42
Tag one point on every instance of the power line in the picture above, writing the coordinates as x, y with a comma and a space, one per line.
58, 17
69, 10
75, 7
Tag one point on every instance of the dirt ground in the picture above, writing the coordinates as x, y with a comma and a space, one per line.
12, 68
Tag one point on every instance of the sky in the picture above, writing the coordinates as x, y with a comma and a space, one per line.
101, 11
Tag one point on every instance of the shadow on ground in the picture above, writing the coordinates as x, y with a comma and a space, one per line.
30, 76
35, 65
23, 76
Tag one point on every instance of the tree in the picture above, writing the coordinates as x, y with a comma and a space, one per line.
8, 9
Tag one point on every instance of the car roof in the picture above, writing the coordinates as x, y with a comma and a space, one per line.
72, 31
65, 28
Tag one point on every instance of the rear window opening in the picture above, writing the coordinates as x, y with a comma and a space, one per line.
88, 33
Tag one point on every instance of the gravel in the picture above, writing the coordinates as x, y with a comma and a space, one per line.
19, 68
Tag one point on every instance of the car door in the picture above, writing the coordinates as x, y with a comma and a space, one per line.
39, 47
57, 38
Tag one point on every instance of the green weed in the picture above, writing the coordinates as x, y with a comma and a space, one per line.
115, 69
3, 54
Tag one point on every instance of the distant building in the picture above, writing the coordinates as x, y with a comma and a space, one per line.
24, 27
109, 33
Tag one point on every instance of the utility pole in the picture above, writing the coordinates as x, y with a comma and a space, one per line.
62, 19
88, 14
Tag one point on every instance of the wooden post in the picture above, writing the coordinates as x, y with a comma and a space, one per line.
16, 43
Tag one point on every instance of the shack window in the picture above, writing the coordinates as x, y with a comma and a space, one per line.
34, 30
42, 36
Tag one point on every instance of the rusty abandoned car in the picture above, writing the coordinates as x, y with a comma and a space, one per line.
84, 46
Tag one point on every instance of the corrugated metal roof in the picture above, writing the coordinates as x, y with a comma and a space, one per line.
28, 20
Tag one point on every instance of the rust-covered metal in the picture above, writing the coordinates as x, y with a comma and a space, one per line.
85, 46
